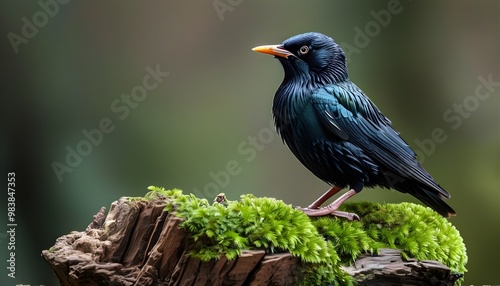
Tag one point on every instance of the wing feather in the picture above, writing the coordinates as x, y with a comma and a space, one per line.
348, 114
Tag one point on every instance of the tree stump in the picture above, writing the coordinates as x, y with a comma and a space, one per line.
139, 243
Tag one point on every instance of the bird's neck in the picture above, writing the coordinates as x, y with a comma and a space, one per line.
335, 76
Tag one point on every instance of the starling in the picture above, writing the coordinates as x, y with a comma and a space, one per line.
337, 132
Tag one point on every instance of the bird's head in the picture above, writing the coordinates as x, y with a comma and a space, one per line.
310, 57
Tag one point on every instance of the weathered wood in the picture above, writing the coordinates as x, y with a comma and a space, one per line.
137, 250
220, 270
118, 227
244, 265
276, 269
138, 243
166, 252
388, 268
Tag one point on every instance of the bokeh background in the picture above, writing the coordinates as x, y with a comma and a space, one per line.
214, 107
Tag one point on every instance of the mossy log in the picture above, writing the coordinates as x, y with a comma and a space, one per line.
148, 241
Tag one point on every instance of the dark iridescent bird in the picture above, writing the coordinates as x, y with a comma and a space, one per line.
337, 133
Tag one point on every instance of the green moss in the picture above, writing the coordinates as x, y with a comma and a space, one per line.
417, 230
322, 244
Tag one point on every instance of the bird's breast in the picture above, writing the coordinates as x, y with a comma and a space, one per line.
296, 120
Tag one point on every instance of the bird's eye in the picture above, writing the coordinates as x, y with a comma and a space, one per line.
304, 50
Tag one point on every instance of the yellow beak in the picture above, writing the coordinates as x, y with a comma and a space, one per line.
275, 50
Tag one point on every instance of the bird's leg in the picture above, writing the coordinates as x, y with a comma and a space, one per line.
328, 194
332, 209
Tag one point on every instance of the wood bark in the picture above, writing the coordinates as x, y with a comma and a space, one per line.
138, 243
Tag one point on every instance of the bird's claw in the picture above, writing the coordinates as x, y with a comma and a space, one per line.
349, 216
328, 211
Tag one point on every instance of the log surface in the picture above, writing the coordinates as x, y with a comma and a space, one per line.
388, 268
138, 243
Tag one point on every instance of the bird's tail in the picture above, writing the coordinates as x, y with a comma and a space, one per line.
431, 197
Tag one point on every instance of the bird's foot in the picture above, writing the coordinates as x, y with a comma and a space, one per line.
329, 211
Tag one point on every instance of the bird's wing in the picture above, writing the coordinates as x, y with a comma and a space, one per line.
348, 114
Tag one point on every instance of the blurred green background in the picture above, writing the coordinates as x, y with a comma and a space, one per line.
214, 107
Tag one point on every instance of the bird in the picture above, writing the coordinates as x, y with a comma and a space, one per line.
338, 133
